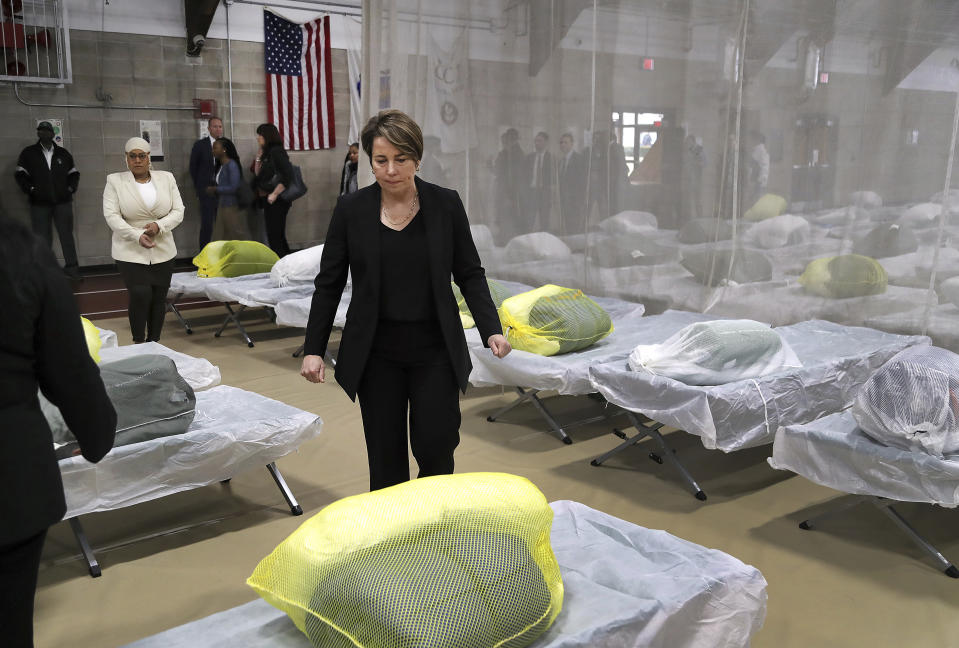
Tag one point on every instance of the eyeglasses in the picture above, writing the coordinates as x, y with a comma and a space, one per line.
138, 156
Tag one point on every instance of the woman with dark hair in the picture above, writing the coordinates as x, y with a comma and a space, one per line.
228, 179
403, 350
41, 346
348, 177
276, 174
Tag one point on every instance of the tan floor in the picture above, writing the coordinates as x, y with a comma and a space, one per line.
854, 582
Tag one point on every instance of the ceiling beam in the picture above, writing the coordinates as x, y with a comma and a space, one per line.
924, 27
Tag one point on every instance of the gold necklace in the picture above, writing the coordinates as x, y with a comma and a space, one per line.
386, 213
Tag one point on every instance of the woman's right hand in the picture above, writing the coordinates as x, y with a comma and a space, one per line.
313, 369
146, 241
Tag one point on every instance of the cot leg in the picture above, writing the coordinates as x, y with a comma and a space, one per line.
92, 565
554, 428
652, 431
299, 351
806, 525
295, 508
523, 397
886, 507
171, 307
235, 318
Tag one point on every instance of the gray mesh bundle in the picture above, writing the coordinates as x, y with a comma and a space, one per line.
711, 267
912, 401
887, 241
151, 399
716, 353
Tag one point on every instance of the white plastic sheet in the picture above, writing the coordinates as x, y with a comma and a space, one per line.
297, 267
199, 373
625, 586
233, 431
108, 339
835, 359
255, 293
188, 284
834, 452
942, 327
566, 373
296, 312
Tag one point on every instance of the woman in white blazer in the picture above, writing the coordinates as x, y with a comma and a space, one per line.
142, 206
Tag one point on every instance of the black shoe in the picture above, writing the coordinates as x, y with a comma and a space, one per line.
73, 273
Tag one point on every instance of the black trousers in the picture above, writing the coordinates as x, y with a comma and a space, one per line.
274, 217
147, 286
19, 564
409, 375
208, 207
42, 220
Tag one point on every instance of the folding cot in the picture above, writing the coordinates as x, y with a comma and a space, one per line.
567, 374
233, 430
624, 586
835, 359
296, 312
188, 284
258, 293
834, 452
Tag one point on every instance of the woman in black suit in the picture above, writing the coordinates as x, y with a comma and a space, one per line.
403, 351
274, 176
41, 346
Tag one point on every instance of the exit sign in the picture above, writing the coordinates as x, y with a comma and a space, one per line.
649, 64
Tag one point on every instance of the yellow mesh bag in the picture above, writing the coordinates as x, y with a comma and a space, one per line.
234, 259
453, 560
849, 275
496, 290
767, 206
92, 334
552, 319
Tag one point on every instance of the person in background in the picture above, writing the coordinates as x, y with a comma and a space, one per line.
229, 177
431, 169
42, 346
508, 183
348, 177
142, 206
202, 169
46, 174
757, 168
403, 351
539, 170
275, 175
571, 176
694, 161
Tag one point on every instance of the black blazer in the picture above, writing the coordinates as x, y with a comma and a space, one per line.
202, 166
353, 243
41, 345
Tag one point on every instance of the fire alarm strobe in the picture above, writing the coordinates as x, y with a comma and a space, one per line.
204, 108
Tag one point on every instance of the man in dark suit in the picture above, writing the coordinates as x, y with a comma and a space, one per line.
539, 170
41, 346
571, 177
203, 171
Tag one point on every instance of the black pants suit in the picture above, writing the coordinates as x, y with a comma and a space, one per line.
403, 350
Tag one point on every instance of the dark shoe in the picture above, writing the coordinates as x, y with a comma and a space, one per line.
73, 273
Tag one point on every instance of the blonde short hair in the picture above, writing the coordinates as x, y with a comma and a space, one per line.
398, 129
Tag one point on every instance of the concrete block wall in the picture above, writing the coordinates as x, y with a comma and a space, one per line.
155, 71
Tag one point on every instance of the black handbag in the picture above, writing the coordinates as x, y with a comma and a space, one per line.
297, 188
244, 194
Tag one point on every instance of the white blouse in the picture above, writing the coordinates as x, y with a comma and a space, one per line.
148, 192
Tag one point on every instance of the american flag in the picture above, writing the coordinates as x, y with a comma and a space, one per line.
299, 81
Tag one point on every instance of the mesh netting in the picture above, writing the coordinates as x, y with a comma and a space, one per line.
887, 241
551, 320
705, 230
497, 291
712, 267
715, 353
777, 232
912, 401
849, 275
234, 259
453, 560
767, 206
92, 335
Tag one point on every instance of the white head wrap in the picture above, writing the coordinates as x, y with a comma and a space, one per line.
137, 143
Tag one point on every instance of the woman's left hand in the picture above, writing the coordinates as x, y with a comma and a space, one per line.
498, 345
152, 229
271, 198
